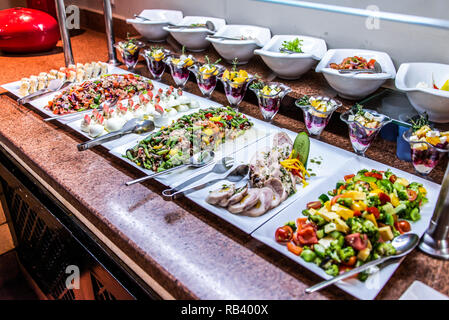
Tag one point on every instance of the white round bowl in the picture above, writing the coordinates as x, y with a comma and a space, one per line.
433, 101
194, 39
355, 86
291, 66
243, 50
154, 30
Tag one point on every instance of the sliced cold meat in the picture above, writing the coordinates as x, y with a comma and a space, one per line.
282, 138
219, 195
247, 201
262, 205
238, 195
280, 194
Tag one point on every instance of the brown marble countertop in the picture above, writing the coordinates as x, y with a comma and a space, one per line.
188, 251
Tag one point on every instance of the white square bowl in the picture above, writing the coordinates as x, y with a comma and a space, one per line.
435, 102
195, 39
243, 50
153, 30
291, 66
355, 86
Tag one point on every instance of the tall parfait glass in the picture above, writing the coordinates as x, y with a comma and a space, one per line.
206, 77
129, 51
269, 103
155, 61
179, 68
425, 156
317, 111
361, 136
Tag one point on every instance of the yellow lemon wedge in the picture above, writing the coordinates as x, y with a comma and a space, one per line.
445, 86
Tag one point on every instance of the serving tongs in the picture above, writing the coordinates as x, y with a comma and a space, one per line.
112, 103
235, 174
53, 86
132, 126
377, 69
197, 161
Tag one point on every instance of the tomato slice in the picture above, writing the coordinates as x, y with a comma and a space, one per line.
357, 213
374, 211
314, 205
351, 261
307, 235
283, 234
412, 195
384, 198
349, 176
393, 178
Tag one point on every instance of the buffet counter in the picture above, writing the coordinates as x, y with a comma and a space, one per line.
177, 248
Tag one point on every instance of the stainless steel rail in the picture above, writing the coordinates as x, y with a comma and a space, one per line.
436, 239
107, 10
67, 45
395, 17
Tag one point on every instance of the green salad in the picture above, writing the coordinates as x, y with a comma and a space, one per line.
355, 222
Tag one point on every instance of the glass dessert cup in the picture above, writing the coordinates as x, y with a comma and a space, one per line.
360, 136
207, 81
315, 119
179, 72
269, 104
425, 156
156, 66
129, 56
235, 91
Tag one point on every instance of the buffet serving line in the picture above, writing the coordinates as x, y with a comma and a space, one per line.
206, 247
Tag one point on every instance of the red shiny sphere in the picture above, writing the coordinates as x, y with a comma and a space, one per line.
27, 30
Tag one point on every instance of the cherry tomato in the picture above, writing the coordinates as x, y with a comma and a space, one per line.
357, 213
384, 198
351, 261
374, 211
376, 175
208, 115
393, 178
411, 195
314, 205
283, 234
402, 226
349, 176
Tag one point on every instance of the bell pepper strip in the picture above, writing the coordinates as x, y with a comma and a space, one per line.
296, 250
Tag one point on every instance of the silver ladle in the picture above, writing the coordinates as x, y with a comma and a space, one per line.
404, 244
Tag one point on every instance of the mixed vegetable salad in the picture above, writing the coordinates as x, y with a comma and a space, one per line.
354, 63
355, 222
200, 131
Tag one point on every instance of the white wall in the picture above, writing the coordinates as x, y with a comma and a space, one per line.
404, 42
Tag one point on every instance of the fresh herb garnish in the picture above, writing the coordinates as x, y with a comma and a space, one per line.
209, 63
258, 85
234, 64
293, 45
304, 100
423, 120
358, 109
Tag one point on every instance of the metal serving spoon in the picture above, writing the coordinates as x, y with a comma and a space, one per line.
404, 244
222, 166
235, 174
132, 126
53, 85
377, 69
112, 103
209, 25
197, 161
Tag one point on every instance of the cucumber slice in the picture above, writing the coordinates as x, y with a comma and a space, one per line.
301, 147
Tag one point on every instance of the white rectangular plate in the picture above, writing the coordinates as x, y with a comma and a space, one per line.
324, 171
363, 290
181, 175
41, 103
